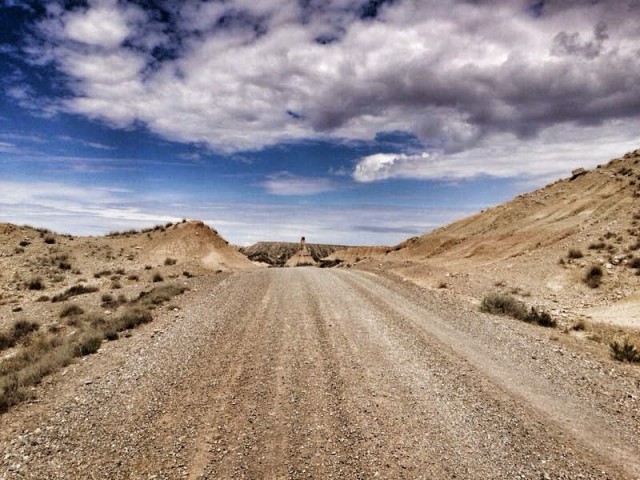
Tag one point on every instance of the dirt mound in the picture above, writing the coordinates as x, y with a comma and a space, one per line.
356, 254
278, 253
194, 241
302, 258
541, 243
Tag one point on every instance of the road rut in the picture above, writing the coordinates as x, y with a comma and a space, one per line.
313, 373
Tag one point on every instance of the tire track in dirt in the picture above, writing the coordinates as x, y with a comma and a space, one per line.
553, 427
310, 373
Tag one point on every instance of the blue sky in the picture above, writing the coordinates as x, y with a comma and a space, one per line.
347, 121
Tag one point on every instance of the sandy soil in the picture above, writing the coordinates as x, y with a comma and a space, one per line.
309, 373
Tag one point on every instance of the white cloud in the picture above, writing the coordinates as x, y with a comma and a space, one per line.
243, 75
104, 24
93, 211
286, 184
554, 153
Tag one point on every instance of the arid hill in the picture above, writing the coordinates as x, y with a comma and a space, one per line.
124, 258
546, 245
278, 253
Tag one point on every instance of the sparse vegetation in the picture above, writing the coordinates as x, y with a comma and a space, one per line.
579, 326
19, 330
41, 353
574, 253
625, 351
107, 299
35, 283
132, 317
159, 295
71, 311
634, 262
597, 246
49, 240
133, 278
170, 261
157, 277
72, 292
593, 277
505, 304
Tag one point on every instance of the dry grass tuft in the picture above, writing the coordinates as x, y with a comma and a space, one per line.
72, 292
593, 277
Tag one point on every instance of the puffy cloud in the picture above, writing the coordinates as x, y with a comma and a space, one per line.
103, 25
554, 153
240, 75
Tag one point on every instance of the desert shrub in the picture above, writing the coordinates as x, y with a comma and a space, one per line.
159, 295
132, 317
72, 292
187, 274
107, 299
500, 303
635, 246
157, 277
120, 271
442, 285
35, 283
597, 246
64, 265
574, 253
635, 262
42, 298
541, 318
505, 304
148, 267
18, 331
24, 243
624, 351
102, 273
87, 344
170, 261
609, 235
111, 334
71, 311
122, 299
115, 285
593, 276
49, 240
579, 326
133, 277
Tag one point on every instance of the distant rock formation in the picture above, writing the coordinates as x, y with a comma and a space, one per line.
302, 258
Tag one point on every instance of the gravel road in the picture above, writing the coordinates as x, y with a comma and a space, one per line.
313, 373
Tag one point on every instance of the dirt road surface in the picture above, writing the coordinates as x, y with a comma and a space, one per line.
311, 373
